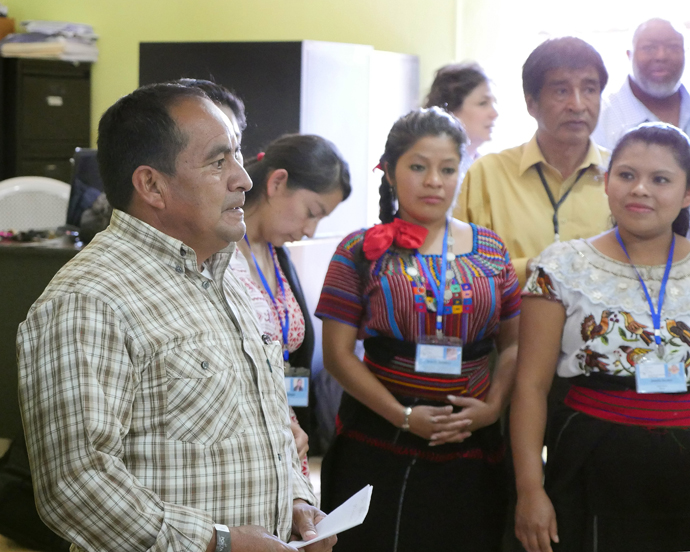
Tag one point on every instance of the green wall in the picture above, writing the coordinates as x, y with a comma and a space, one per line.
427, 29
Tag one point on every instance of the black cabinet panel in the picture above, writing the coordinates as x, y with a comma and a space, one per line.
53, 109
266, 75
26, 271
60, 169
45, 114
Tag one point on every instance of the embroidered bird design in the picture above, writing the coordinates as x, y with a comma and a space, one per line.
633, 355
593, 360
637, 329
679, 329
591, 330
544, 282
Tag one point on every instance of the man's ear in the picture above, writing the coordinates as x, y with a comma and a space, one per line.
532, 105
150, 186
275, 181
606, 182
630, 54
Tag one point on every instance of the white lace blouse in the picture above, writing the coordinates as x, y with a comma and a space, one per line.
608, 325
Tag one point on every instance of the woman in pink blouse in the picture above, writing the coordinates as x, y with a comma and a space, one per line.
298, 180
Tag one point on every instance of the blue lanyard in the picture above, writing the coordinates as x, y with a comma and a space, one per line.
656, 315
438, 290
284, 323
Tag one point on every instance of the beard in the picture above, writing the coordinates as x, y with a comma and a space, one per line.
658, 90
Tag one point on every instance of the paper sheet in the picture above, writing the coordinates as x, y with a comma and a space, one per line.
346, 516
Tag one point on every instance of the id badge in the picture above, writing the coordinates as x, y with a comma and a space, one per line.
439, 355
297, 385
655, 375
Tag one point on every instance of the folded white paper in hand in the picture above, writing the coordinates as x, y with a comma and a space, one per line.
346, 516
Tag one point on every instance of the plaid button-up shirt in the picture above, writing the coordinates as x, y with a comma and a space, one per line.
152, 406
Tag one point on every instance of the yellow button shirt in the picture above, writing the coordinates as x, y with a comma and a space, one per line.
503, 192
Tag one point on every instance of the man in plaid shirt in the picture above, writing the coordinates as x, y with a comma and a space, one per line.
153, 406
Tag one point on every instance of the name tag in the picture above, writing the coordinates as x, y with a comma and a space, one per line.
297, 389
658, 376
296, 385
439, 356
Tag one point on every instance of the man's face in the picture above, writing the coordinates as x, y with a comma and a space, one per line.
658, 58
568, 105
203, 201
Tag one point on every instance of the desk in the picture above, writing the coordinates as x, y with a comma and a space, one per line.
25, 270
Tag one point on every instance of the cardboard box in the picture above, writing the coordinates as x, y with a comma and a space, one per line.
6, 26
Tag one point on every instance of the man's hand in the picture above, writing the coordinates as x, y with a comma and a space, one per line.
253, 538
304, 518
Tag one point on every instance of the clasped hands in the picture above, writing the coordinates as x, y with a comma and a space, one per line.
440, 425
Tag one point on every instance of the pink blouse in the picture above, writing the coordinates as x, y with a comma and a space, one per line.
269, 316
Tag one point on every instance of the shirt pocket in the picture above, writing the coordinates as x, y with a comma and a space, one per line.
202, 396
274, 356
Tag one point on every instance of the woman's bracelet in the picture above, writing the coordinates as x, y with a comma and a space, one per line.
406, 421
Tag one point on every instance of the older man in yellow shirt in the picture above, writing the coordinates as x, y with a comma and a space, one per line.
552, 187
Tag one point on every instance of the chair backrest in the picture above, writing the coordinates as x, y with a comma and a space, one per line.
32, 203
86, 184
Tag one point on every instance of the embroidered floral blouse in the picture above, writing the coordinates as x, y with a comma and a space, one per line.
608, 325
268, 315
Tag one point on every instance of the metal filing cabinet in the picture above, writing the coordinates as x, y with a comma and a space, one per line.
46, 114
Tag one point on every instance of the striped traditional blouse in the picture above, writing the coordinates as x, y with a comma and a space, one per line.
377, 297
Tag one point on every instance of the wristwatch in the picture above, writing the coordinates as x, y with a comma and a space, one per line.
406, 422
222, 538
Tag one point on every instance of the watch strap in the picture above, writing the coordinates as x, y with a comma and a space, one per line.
222, 537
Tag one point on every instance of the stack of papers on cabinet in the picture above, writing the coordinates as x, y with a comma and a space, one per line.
52, 40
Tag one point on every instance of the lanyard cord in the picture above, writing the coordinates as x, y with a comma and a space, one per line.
438, 290
284, 322
656, 315
557, 204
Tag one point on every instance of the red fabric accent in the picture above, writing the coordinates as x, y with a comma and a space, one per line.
631, 408
404, 234
399, 450
260, 155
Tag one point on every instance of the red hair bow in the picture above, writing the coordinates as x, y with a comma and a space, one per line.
379, 238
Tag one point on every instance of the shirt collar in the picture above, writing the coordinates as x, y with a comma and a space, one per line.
168, 250
641, 114
532, 155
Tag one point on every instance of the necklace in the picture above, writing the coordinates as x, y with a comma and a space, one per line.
441, 283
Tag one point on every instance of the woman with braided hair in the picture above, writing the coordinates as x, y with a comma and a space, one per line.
431, 297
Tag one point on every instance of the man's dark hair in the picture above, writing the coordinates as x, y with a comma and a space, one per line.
221, 96
139, 130
567, 52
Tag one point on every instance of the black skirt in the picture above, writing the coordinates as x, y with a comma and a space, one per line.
449, 497
618, 487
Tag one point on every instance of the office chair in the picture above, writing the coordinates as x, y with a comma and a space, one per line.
32, 203
86, 184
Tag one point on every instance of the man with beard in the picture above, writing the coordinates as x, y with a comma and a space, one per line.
653, 91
